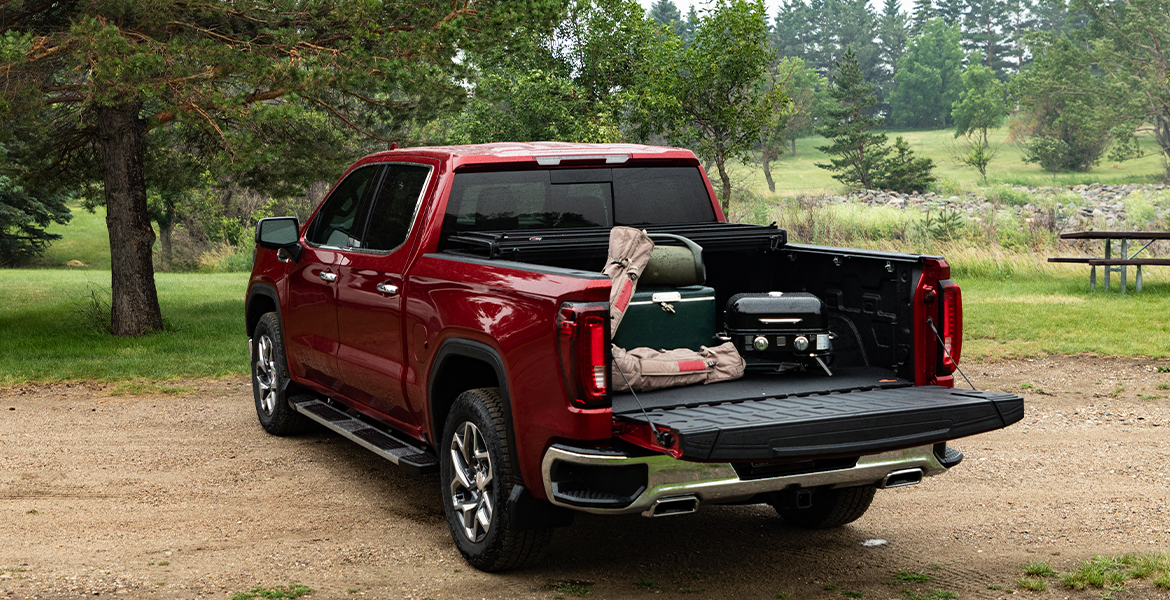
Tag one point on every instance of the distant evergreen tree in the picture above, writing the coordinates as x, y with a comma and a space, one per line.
796, 32
690, 26
951, 11
1019, 19
984, 29
892, 30
855, 26
664, 12
1058, 16
923, 12
905, 172
857, 154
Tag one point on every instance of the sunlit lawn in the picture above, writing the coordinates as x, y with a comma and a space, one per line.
49, 335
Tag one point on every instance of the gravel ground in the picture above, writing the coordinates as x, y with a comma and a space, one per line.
184, 496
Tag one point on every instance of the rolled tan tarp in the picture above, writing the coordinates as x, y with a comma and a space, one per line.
646, 369
629, 251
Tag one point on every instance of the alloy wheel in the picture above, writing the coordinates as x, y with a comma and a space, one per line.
471, 481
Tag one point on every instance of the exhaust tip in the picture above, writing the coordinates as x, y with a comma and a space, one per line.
902, 478
677, 505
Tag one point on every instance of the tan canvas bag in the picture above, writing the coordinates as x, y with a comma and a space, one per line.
629, 251
646, 369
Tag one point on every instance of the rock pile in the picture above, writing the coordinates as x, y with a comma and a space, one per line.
1076, 207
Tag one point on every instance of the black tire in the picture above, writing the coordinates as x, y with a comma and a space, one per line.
270, 380
830, 508
475, 443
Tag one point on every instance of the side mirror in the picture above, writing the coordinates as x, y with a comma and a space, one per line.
281, 234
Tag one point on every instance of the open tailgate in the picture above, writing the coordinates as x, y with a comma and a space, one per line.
827, 424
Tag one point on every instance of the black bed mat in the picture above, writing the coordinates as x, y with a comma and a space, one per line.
811, 425
758, 386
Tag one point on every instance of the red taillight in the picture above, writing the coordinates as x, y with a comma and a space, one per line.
583, 331
952, 324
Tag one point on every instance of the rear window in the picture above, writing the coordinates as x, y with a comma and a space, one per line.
567, 198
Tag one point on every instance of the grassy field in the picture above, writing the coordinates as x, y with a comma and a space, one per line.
797, 174
1016, 304
85, 239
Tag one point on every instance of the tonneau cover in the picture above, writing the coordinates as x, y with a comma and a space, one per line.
822, 424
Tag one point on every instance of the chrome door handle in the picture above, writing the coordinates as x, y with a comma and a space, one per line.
387, 288
327, 276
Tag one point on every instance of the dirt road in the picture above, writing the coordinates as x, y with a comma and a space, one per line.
184, 496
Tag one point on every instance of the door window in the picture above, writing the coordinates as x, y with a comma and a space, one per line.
337, 223
395, 206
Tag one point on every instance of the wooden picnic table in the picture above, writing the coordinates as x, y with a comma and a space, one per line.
1108, 262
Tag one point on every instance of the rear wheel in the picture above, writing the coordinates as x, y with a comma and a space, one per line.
270, 380
478, 476
830, 508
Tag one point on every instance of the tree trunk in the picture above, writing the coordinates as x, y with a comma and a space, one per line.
721, 164
134, 308
766, 160
794, 145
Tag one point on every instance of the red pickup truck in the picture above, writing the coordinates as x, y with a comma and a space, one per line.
445, 308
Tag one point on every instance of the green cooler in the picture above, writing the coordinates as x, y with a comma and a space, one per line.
665, 319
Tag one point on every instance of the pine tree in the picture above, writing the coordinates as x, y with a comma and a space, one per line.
892, 30
983, 29
664, 12
923, 12
905, 172
860, 152
951, 11
794, 30
23, 220
1019, 19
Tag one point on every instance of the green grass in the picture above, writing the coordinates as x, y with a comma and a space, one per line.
1102, 572
797, 174
86, 239
292, 590
49, 336
911, 577
1038, 569
1059, 315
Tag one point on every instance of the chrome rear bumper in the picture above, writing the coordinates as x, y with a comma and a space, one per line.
673, 482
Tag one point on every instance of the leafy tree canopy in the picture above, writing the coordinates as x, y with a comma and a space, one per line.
981, 104
712, 96
928, 78
570, 85
1068, 108
88, 83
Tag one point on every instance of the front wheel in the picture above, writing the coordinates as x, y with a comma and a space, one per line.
478, 477
830, 508
270, 380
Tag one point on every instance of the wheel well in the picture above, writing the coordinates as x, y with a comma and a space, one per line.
258, 305
456, 375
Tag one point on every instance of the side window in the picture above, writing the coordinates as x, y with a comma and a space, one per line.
395, 206
338, 223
